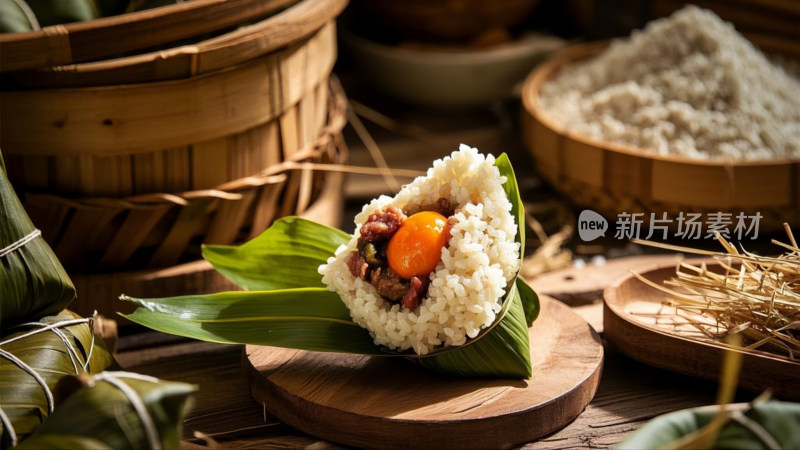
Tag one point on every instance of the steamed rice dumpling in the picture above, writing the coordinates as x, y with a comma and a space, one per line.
430, 267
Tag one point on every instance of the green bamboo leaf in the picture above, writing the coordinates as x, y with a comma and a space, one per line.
62, 442
102, 414
16, 17
22, 398
503, 351
774, 421
32, 281
307, 319
530, 301
284, 256
55, 12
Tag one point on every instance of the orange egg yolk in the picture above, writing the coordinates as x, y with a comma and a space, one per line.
416, 248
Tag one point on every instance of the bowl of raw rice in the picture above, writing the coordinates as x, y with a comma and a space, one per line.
684, 116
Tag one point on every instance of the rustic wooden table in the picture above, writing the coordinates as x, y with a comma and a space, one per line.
629, 394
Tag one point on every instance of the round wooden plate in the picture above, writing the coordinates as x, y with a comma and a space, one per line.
387, 402
630, 324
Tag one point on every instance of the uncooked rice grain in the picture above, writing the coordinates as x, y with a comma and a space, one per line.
468, 284
686, 85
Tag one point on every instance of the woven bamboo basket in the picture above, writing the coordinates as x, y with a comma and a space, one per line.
161, 229
611, 178
179, 135
135, 161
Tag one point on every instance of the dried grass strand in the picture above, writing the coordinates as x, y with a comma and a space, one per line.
757, 297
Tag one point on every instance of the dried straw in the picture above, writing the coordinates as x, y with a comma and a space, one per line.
755, 296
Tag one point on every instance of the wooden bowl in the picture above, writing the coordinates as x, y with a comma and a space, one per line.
448, 20
612, 178
447, 78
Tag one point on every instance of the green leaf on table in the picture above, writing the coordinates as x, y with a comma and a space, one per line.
286, 255
761, 426
116, 410
306, 319
52, 356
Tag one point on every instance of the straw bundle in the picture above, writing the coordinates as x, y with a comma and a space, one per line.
755, 296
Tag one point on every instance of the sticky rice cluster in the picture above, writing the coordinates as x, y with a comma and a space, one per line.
468, 284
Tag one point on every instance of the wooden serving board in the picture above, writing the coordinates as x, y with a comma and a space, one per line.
632, 326
384, 402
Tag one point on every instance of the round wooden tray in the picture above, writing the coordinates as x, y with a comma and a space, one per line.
612, 178
392, 403
629, 324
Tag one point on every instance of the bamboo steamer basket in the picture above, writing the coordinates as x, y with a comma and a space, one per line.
611, 178
95, 234
300, 20
134, 162
178, 135
91, 40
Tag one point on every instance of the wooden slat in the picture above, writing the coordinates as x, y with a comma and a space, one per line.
137, 225
209, 163
192, 217
84, 226
46, 214
265, 206
177, 174
81, 41
289, 126
149, 173
229, 219
67, 174
33, 171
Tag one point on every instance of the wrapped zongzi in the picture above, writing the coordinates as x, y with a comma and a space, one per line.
33, 283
